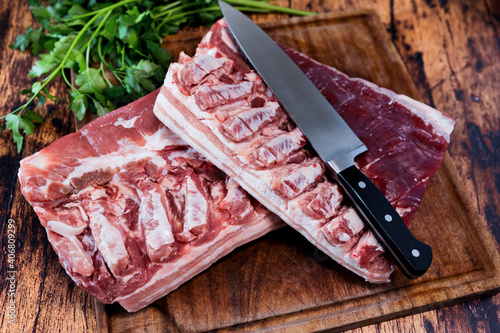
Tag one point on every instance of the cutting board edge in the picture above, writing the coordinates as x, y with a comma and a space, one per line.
303, 321
288, 21
485, 282
320, 324
368, 14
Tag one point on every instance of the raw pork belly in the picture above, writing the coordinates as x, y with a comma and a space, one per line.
221, 107
132, 211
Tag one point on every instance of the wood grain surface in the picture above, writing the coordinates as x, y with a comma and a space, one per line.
452, 51
44, 294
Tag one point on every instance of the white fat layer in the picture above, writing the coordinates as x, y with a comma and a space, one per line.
343, 237
206, 39
161, 138
403, 210
208, 63
42, 161
441, 124
355, 222
368, 239
228, 41
196, 207
98, 193
158, 161
39, 210
126, 123
80, 208
123, 190
266, 113
85, 266
108, 239
64, 229
234, 191
300, 178
154, 220
113, 161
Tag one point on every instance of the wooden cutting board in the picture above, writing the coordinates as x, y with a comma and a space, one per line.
281, 282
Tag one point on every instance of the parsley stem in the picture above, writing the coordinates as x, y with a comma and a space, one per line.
67, 81
258, 6
165, 8
185, 14
102, 10
110, 67
101, 69
61, 65
87, 62
123, 57
172, 10
87, 45
99, 52
251, 4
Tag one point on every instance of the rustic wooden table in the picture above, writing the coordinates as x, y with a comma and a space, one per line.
452, 50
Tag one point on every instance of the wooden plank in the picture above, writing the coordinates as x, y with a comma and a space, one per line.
281, 281
433, 40
44, 296
425, 34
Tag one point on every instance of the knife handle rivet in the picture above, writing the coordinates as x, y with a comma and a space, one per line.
415, 253
362, 184
388, 217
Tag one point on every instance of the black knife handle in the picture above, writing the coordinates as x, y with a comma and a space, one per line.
412, 256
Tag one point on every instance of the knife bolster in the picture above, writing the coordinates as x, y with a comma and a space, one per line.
342, 162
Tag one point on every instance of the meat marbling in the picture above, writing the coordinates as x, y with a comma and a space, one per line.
132, 211
222, 108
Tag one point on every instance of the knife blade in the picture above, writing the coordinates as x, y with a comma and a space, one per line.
332, 139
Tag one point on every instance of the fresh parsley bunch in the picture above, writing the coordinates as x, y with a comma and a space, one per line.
113, 49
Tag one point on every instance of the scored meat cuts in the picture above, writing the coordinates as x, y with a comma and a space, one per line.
222, 108
132, 211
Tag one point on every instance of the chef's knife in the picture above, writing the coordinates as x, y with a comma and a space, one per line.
333, 140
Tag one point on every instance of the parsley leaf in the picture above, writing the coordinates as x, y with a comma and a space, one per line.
78, 105
101, 110
90, 80
43, 66
113, 47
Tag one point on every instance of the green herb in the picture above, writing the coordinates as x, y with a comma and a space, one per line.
113, 48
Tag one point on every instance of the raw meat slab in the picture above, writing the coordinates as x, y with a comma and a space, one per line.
221, 107
132, 211
281, 282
